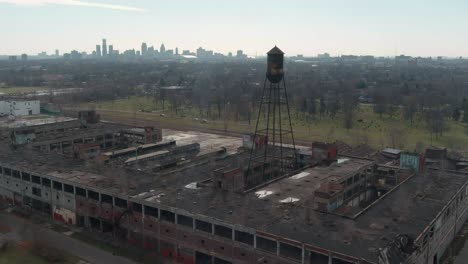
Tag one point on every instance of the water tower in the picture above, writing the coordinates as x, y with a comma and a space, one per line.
277, 155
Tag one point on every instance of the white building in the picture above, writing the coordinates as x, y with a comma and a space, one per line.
19, 108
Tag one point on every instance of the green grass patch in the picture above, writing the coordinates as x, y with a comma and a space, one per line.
22, 89
368, 127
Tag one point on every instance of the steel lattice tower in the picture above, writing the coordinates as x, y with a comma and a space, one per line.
274, 126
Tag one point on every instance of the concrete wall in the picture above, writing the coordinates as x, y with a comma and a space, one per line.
20, 108
444, 228
160, 235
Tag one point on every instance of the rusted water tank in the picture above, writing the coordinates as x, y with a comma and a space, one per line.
275, 61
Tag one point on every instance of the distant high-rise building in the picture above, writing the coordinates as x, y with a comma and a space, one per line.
98, 50
12, 58
111, 50
162, 49
57, 53
104, 47
144, 49
240, 53
138, 53
24, 57
230, 54
176, 51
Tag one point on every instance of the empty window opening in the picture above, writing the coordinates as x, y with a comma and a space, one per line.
203, 226
185, 221
25, 176
106, 198
68, 188
220, 261
16, 174
36, 191
266, 244
340, 261
317, 258
120, 202
46, 182
80, 191
93, 195
244, 237
36, 179
223, 231
57, 186
151, 211
290, 251
136, 207
167, 216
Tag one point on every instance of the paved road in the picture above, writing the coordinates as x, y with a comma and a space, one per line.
24, 229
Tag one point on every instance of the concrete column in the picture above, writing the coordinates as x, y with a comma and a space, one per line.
303, 255
330, 259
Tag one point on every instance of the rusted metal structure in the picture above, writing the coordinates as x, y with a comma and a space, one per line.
274, 159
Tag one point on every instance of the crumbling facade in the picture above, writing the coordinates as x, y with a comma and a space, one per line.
198, 208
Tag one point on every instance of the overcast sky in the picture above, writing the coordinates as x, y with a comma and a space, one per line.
309, 27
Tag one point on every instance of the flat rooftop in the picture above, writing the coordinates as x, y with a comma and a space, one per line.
278, 208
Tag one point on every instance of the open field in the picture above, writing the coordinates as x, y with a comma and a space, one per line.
22, 89
377, 131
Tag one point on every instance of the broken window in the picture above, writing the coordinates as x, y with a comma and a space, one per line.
223, 231
93, 195
36, 191
317, 258
36, 179
57, 185
244, 237
106, 198
68, 188
136, 207
167, 216
151, 211
203, 226
290, 251
120, 202
266, 244
46, 182
80, 192
220, 261
340, 261
25, 176
185, 221
16, 174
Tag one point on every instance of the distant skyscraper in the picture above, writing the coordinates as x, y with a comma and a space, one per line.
104, 47
144, 49
24, 57
176, 51
111, 50
57, 53
162, 49
98, 50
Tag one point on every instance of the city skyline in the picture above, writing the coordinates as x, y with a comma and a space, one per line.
416, 28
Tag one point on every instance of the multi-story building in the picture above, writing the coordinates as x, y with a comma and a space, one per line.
19, 108
104, 48
98, 50
196, 208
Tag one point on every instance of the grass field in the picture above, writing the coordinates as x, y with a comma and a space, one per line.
377, 131
22, 89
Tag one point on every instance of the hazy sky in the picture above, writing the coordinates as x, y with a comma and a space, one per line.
376, 27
